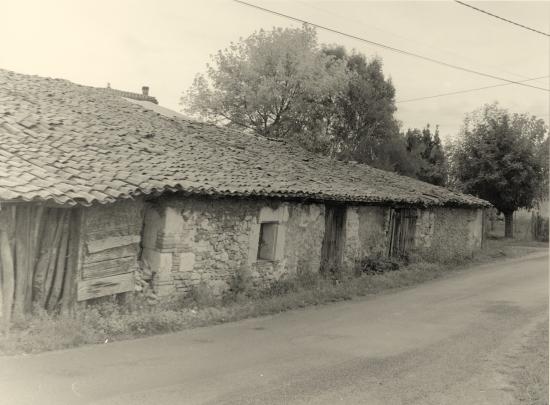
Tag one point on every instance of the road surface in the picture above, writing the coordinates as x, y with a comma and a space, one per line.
448, 341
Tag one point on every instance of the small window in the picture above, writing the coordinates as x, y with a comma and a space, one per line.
268, 241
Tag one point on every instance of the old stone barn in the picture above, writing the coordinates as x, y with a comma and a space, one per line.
95, 185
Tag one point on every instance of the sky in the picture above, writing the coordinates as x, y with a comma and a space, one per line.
164, 43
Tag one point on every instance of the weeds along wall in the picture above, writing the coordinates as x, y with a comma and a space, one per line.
193, 240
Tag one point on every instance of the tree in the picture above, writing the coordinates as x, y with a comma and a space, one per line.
426, 155
496, 159
534, 129
274, 83
282, 84
363, 127
543, 157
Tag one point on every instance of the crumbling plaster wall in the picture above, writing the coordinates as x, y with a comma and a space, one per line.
425, 223
445, 233
365, 233
441, 233
191, 240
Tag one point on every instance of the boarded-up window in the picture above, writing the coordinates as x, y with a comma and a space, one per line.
112, 247
268, 241
401, 232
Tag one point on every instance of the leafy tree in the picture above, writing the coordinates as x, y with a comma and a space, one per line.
534, 129
363, 127
426, 155
275, 83
282, 84
543, 157
496, 158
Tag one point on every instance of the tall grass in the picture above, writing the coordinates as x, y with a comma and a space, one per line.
530, 377
109, 321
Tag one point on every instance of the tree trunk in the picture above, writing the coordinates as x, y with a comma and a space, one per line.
509, 224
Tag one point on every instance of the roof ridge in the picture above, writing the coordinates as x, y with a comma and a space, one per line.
130, 94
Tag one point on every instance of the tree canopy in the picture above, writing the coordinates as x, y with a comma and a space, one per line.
426, 155
275, 83
497, 158
283, 84
363, 127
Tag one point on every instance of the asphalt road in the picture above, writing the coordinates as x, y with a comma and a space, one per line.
443, 342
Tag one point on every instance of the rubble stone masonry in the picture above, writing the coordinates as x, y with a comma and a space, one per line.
193, 240
189, 240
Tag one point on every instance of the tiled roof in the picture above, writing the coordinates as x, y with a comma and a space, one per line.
73, 144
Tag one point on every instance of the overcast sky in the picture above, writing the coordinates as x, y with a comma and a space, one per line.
164, 43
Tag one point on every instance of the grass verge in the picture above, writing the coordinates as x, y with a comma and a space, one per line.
530, 377
110, 321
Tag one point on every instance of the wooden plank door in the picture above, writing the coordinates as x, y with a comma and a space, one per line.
402, 232
333, 240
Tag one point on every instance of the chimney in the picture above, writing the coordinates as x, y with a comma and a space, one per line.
145, 90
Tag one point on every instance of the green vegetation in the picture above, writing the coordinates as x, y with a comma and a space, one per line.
113, 320
530, 377
497, 157
284, 84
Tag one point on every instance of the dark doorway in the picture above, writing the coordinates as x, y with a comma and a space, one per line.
401, 232
333, 241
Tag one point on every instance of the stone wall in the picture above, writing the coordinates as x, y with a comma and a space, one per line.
187, 241
366, 232
440, 233
425, 223
449, 233
373, 230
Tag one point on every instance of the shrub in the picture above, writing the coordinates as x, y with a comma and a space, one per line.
306, 278
376, 265
241, 283
203, 295
111, 318
303, 279
282, 286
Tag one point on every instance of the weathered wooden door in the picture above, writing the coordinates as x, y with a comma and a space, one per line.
333, 241
38, 257
402, 232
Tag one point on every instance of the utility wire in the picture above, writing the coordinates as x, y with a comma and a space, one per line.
465, 91
465, 58
387, 46
503, 19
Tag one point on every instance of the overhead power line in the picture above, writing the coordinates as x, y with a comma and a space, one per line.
464, 91
501, 18
464, 69
469, 59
